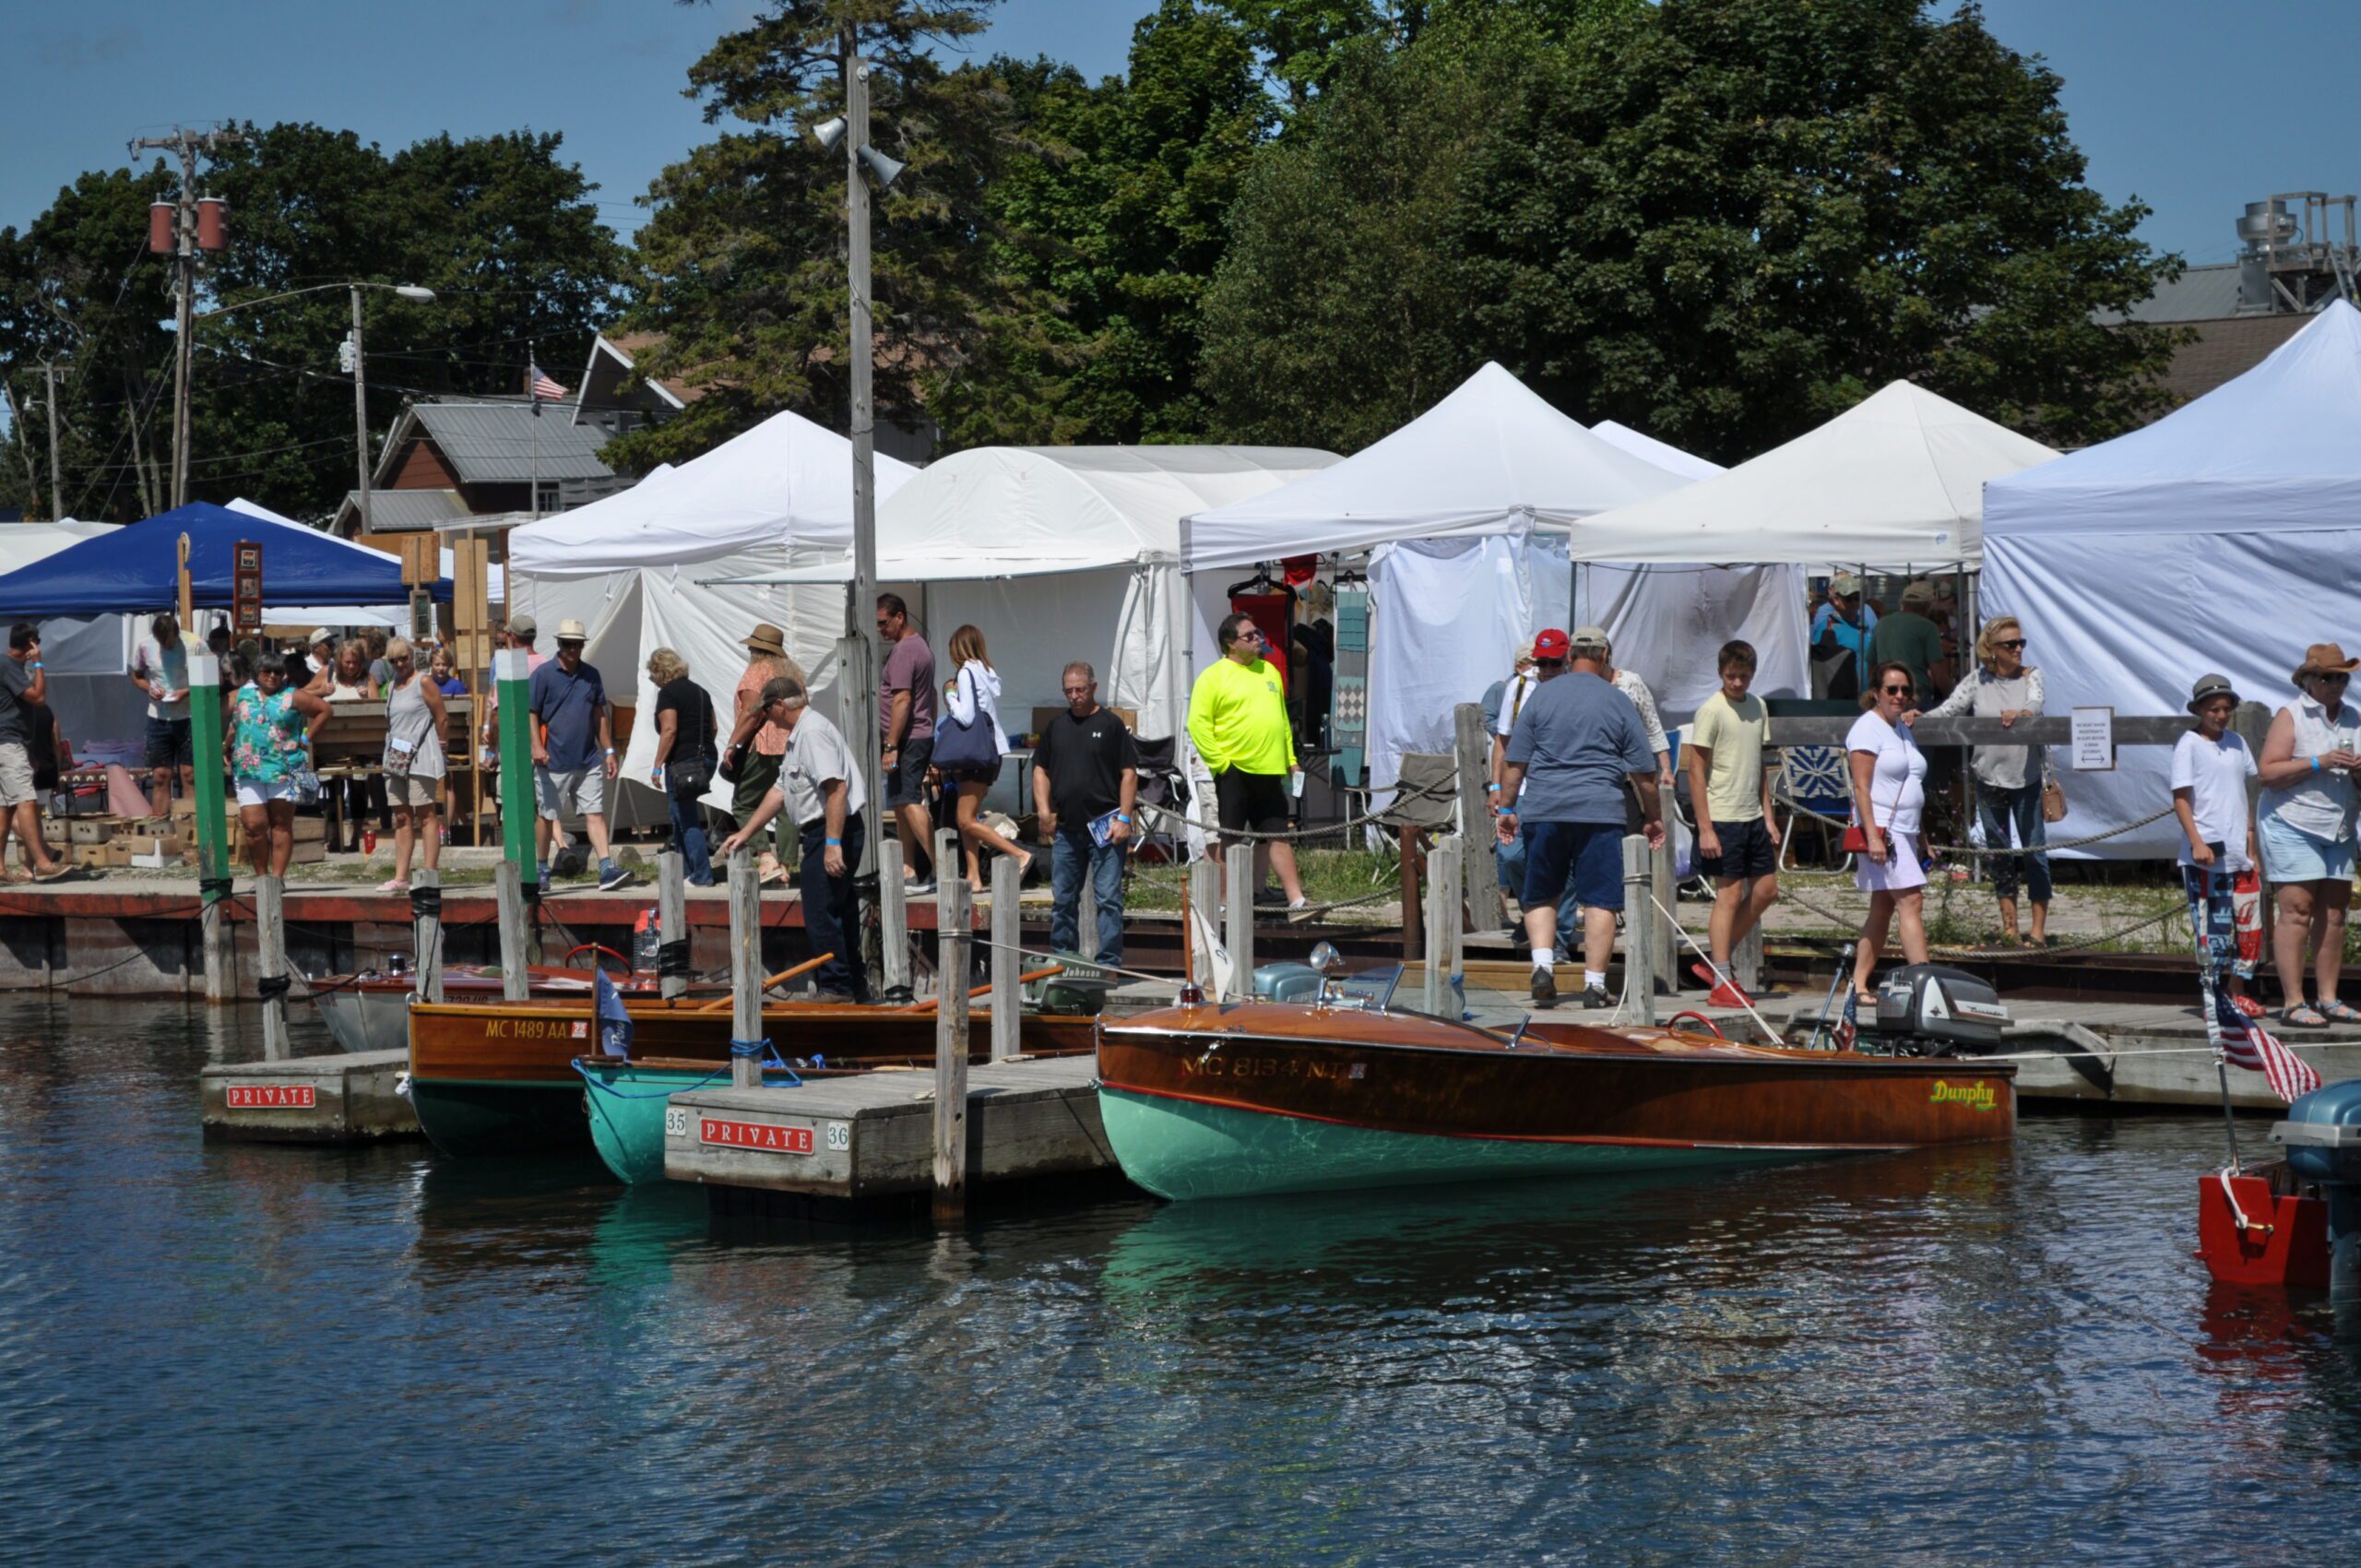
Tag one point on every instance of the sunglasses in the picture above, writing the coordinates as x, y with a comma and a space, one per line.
1896, 691
1077, 691
2334, 678
2011, 644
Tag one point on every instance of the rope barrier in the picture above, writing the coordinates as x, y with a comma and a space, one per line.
1788, 893
1448, 785
1801, 809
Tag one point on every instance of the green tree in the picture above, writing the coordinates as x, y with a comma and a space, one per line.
1721, 221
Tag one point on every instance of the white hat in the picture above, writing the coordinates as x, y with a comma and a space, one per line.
572, 632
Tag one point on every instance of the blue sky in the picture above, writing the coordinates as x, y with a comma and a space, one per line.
2196, 105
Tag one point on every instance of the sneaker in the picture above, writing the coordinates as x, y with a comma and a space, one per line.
1299, 912
918, 887
1704, 973
541, 875
1269, 896
1544, 987
397, 886
1728, 994
1595, 999
611, 876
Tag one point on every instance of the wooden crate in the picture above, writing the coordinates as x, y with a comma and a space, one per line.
91, 829
89, 855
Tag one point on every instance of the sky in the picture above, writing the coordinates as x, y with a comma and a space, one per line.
2196, 106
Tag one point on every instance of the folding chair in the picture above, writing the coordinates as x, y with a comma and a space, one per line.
1816, 778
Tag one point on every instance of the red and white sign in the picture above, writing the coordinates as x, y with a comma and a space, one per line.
754, 1134
273, 1097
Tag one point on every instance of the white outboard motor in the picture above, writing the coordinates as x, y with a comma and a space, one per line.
1928, 1010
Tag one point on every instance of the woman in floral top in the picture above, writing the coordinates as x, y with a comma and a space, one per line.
271, 734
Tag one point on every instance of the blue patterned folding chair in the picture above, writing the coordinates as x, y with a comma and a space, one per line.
1817, 778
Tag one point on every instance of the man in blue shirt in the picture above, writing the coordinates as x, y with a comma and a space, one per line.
1571, 747
574, 750
1840, 639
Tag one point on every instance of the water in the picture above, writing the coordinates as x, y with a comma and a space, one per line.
221, 1354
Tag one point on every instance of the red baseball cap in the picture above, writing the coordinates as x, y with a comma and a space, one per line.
1549, 644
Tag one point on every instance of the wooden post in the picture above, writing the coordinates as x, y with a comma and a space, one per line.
1664, 958
671, 920
214, 870
1414, 909
271, 933
1479, 844
1007, 932
426, 914
511, 670
952, 915
1238, 924
1746, 961
1205, 904
894, 919
1085, 931
515, 979
1639, 922
1441, 914
746, 966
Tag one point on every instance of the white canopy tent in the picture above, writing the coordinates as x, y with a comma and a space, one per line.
627, 565
1063, 552
1662, 454
1458, 508
2225, 537
1893, 483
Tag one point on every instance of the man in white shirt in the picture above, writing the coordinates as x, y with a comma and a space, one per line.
159, 669
820, 786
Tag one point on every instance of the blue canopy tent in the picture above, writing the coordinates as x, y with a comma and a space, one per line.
137, 568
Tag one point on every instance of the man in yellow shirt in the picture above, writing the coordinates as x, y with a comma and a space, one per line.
1237, 722
1737, 834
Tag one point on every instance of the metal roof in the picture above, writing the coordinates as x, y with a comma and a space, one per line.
401, 511
2201, 293
504, 442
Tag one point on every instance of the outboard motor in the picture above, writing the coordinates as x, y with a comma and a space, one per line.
2323, 1137
1928, 1010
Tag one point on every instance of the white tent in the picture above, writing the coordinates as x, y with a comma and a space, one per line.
1894, 482
1450, 505
2225, 537
1662, 454
630, 566
86, 655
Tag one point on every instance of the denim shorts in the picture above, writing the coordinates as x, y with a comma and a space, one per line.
1587, 854
2290, 854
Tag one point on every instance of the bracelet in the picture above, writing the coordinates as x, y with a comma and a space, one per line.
2316, 762
1492, 789
1121, 818
836, 843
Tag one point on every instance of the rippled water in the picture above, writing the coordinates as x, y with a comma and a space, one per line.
220, 1354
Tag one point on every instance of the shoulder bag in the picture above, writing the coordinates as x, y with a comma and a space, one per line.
688, 778
966, 745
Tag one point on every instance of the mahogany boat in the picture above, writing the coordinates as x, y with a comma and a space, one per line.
1208, 1102
499, 1078
370, 1011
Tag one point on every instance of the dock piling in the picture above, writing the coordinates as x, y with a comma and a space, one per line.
1205, 904
672, 923
516, 978
1640, 923
1479, 847
1085, 931
1238, 934
1441, 915
1007, 962
745, 969
894, 920
1664, 957
1745, 960
426, 916
952, 914
271, 932
211, 811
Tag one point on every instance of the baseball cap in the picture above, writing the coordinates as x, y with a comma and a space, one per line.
321, 635
1590, 636
1549, 643
523, 626
1844, 585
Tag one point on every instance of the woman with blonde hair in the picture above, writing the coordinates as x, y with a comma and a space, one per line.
2009, 779
971, 704
415, 761
685, 758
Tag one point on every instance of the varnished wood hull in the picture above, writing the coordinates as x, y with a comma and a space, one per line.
1266, 1098
372, 1013
498, 1078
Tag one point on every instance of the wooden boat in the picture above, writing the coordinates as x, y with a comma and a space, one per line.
1204, 1101
371, 1011
498, 1077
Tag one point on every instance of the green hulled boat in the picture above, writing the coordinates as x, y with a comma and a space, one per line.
627, 1102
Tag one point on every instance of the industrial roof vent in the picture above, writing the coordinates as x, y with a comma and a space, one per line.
2291, 265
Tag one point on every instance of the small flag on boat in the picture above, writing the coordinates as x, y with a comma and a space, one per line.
2246, 1043
614, 1019
1848, 1028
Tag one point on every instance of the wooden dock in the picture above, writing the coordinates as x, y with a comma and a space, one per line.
343, 1098
865, 1145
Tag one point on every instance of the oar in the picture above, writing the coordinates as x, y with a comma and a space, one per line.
1027, 979
804, 967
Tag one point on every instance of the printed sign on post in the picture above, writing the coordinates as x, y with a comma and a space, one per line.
2093, 740
245, 587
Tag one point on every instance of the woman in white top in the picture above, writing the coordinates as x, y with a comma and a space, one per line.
2210, 770
2305, 825
975, 690
2009, 779
414, 764
1888, 790
1628, 682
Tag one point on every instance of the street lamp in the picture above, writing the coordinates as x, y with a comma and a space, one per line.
858, 655
360, 385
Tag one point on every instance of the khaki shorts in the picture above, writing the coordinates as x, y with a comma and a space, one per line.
582, 792
413, 789
15, 775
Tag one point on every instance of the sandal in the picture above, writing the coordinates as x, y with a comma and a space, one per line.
2302, 1016
2338, 1011
2250, 1006
16, 876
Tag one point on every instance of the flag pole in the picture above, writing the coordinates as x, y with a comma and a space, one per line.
2201, 920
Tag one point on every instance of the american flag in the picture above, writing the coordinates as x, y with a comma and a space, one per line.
1848, 1028
545, 390
2246, 1043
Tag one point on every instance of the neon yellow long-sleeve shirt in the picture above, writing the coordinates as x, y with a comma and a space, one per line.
1237, 718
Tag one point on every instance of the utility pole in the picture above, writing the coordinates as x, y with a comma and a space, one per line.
56, 485
360, 410
859, 659
183, 248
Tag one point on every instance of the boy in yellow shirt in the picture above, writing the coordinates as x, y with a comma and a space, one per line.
1737, 834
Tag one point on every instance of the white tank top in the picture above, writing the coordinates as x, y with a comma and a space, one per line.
2317, 804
